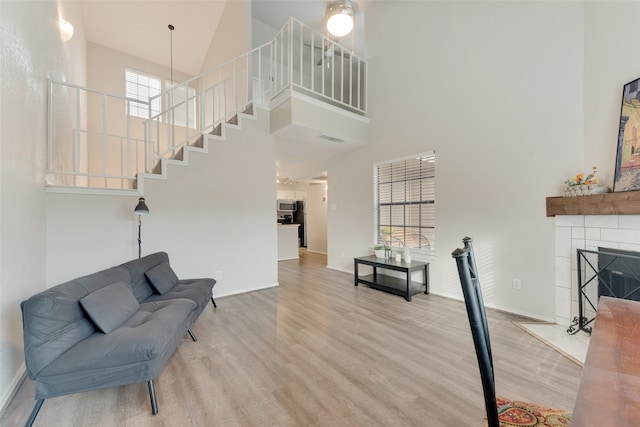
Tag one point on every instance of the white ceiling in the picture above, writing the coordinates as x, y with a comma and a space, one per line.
140, 28
297, 146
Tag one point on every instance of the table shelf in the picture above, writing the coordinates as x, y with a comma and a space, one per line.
403, 287
391, 284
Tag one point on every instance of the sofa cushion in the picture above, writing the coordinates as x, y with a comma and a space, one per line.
155, 329
197, 290
139, 283
162, 278
111, 306
53, 320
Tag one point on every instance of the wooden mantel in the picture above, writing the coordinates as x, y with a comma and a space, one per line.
623, 203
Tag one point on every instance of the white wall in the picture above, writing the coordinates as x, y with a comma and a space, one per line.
31, 51
317, 218
495, 88
233, 34
350, 208
610, 61
217, 214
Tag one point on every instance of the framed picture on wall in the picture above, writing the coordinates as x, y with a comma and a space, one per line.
627, 172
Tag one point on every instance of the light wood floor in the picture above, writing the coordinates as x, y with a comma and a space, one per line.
318, 351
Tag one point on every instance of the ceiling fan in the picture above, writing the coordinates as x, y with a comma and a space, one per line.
329, 51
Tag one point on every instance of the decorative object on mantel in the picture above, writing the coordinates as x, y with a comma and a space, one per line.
580, 185
627, 173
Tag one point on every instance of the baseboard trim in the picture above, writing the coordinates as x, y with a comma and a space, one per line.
246, 291
11, 391
339, 269
316, 252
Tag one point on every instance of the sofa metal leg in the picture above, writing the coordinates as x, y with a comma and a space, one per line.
193, 336
34, 412
214, 303
152, 395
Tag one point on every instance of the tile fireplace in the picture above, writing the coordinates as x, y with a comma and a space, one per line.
590, 232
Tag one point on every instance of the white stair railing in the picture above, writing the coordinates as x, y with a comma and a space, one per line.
97, 145
109, 152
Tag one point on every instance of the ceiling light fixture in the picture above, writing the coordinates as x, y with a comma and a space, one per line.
340, 18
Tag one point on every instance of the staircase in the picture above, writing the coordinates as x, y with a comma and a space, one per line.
86, 157
200, 145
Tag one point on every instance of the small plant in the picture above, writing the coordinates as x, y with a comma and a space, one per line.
378, 247
580, 179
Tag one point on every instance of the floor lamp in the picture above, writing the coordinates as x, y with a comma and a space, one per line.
141, 209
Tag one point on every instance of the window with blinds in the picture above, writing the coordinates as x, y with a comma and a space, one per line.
180, 101
141, 87
404, 194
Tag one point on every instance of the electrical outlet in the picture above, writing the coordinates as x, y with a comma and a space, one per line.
517, 284
218, 275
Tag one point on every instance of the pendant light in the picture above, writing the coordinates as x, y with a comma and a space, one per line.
171, 28
340, 18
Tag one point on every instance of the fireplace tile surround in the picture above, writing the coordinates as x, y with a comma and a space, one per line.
574, 232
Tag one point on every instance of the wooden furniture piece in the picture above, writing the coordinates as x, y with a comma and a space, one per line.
623, 203
406, 288
609, 391
500, 411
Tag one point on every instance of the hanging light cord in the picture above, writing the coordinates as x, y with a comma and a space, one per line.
171, 28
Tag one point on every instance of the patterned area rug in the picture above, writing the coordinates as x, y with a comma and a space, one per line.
513, 413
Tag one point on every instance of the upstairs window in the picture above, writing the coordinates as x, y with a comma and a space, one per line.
140, 87
183, 101
404, 196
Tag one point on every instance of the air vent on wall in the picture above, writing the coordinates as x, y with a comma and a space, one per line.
331, 138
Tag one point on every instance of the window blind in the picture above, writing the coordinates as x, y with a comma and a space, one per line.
141, 87
179, 101
405, 202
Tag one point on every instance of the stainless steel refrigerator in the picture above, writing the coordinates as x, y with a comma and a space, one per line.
300, 217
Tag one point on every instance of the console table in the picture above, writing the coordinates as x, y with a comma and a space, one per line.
403, 287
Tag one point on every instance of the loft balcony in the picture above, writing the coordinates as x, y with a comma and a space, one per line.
314, 88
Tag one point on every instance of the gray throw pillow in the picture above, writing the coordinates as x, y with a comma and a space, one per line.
162, 278
111, 306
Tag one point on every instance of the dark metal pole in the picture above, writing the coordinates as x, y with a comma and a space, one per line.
139, 236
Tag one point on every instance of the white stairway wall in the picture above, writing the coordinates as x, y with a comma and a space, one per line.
216, 214
31, 51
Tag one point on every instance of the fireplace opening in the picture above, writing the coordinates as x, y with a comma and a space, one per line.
605, 272
619, 273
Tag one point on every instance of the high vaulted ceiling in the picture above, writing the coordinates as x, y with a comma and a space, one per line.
140, 27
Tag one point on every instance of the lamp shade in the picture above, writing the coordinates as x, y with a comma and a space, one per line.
340, 18
141, 207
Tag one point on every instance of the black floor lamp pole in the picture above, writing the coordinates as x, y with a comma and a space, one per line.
141, 209
139, 236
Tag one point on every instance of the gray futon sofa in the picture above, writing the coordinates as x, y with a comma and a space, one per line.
114, 327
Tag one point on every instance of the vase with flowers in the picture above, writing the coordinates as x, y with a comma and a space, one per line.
581, 185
